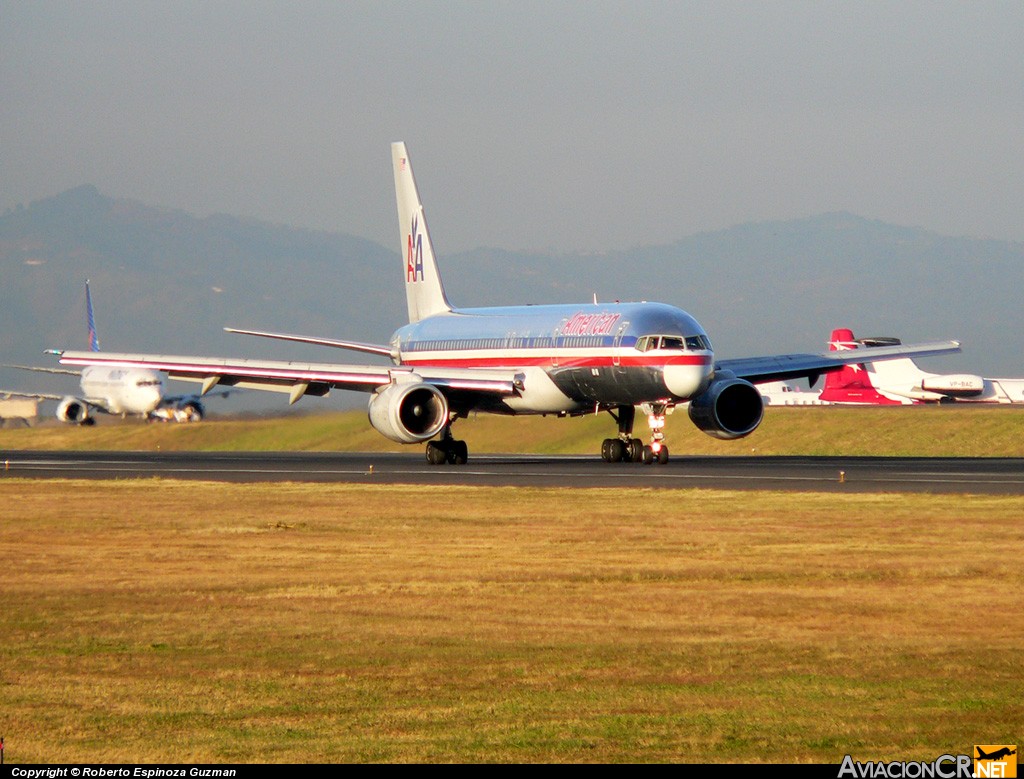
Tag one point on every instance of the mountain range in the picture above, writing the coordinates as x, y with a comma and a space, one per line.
166, 281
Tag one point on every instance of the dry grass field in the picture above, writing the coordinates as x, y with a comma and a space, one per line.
155, 620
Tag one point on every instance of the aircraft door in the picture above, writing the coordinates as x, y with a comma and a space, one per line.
617, 344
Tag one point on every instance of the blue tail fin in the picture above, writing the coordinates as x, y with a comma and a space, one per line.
94, 341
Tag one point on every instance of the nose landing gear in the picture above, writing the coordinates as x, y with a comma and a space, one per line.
656, 421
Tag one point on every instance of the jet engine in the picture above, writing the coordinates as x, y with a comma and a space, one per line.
960, 385
408, 413
74, 411
728, 408
190, 411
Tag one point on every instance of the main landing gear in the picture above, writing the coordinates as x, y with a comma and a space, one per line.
627, 449
447, 450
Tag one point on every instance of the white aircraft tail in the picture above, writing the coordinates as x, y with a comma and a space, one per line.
424, 291
902, 371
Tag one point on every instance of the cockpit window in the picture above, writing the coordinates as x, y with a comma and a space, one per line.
695, 342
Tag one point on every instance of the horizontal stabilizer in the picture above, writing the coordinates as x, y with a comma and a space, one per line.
355, 346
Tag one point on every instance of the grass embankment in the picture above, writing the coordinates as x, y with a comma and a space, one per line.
162, 621
910, 431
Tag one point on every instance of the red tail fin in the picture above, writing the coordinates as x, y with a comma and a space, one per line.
851, 383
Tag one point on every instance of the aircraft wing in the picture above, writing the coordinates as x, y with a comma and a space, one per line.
796, 366
99, 404
5, 394
63, 371
297, 379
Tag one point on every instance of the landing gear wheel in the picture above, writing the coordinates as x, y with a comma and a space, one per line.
635, 450
447, 450
656, 420
435, 454
458, 453
625, 448
616, 450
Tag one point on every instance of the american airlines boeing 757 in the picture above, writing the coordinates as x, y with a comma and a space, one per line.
565, 360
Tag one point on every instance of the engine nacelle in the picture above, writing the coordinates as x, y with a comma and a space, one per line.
74, 411
408, 413
959, 385
190, 411
728, 408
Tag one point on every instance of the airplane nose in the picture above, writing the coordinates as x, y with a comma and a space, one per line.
683, 381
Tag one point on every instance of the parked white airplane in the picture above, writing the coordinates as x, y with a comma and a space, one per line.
790, 393
115, 390
553, 359
902, 382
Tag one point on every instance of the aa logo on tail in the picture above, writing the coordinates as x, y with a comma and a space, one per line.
414, 258
995, 760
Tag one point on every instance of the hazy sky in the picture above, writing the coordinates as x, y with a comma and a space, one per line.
531, 125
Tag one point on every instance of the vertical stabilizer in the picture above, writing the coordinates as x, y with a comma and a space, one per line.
424, 292
94, 341
851, 383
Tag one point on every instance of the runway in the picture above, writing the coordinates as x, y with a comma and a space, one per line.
829, 474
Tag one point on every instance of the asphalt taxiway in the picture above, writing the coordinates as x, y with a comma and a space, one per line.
832, 474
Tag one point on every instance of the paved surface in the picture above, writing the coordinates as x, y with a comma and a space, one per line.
834, 474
